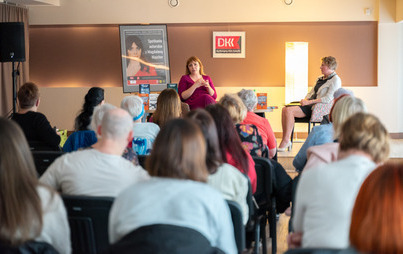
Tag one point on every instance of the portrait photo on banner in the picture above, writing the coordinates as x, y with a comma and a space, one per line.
144, 50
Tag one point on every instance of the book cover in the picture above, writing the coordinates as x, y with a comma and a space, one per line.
173, 86
145, 98
261, 100
153, 100
144, 88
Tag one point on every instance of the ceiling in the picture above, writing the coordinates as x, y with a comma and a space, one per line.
33, 2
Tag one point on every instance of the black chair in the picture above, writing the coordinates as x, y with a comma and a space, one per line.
41, 146
142, 160
313, 251
303, 120
239, 228
88, 219
43, 159
254, 221
29, 247
266, 200
161, 239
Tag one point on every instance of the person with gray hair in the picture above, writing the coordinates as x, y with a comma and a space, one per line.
144, 134
324, 133
99, 112
86, 138
101, 171
250, 100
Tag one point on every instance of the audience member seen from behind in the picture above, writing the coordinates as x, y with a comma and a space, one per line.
230, 144
252, 143
178, 177
249, 98
377, 218
322, 92
248, 133
136, 63
84, 139
319, 135
223, 177
93, 98
37, 129
96, 122
168, 107
344, 108
29, 209
195, 88
100, 171
326, 194
144, 134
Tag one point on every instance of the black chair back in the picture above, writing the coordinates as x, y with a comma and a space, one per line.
265, 199
29, 247
142, 160
313, 251
43, 159
88, 219
161, 239
239, 228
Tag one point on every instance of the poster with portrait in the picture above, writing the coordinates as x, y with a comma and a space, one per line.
144, 50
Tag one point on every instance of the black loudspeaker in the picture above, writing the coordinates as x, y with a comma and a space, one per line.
12, 42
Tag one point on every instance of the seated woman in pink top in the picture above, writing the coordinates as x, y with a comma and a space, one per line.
230, 144
196, 88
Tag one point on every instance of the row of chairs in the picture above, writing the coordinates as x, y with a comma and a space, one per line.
88, 216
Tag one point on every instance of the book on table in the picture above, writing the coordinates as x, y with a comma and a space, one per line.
261, 101
144, 94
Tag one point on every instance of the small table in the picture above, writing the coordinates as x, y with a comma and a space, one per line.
261, 112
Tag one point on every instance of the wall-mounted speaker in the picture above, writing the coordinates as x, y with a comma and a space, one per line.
12, 42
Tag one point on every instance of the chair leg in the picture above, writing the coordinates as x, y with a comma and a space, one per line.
309, 127
264, 238
257, 237
292, 133
273, 225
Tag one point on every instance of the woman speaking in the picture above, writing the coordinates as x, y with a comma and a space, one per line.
195, 88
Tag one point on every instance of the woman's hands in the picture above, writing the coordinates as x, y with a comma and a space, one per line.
202, 82
305, 102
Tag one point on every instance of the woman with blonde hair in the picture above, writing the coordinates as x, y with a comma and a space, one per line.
168, 107
344, 107
248, 133
28, 209
322, 92
326, 194
196, 88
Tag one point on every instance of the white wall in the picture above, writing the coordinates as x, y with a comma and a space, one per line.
385, 100
200, 11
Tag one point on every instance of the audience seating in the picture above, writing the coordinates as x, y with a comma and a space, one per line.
142, 160
313, 251
162, 239
88, 219
239, 228
43, 159
266, 201
40, 146
29, 247
80, 139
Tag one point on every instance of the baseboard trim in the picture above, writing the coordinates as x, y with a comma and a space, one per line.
396, 135
304, 135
